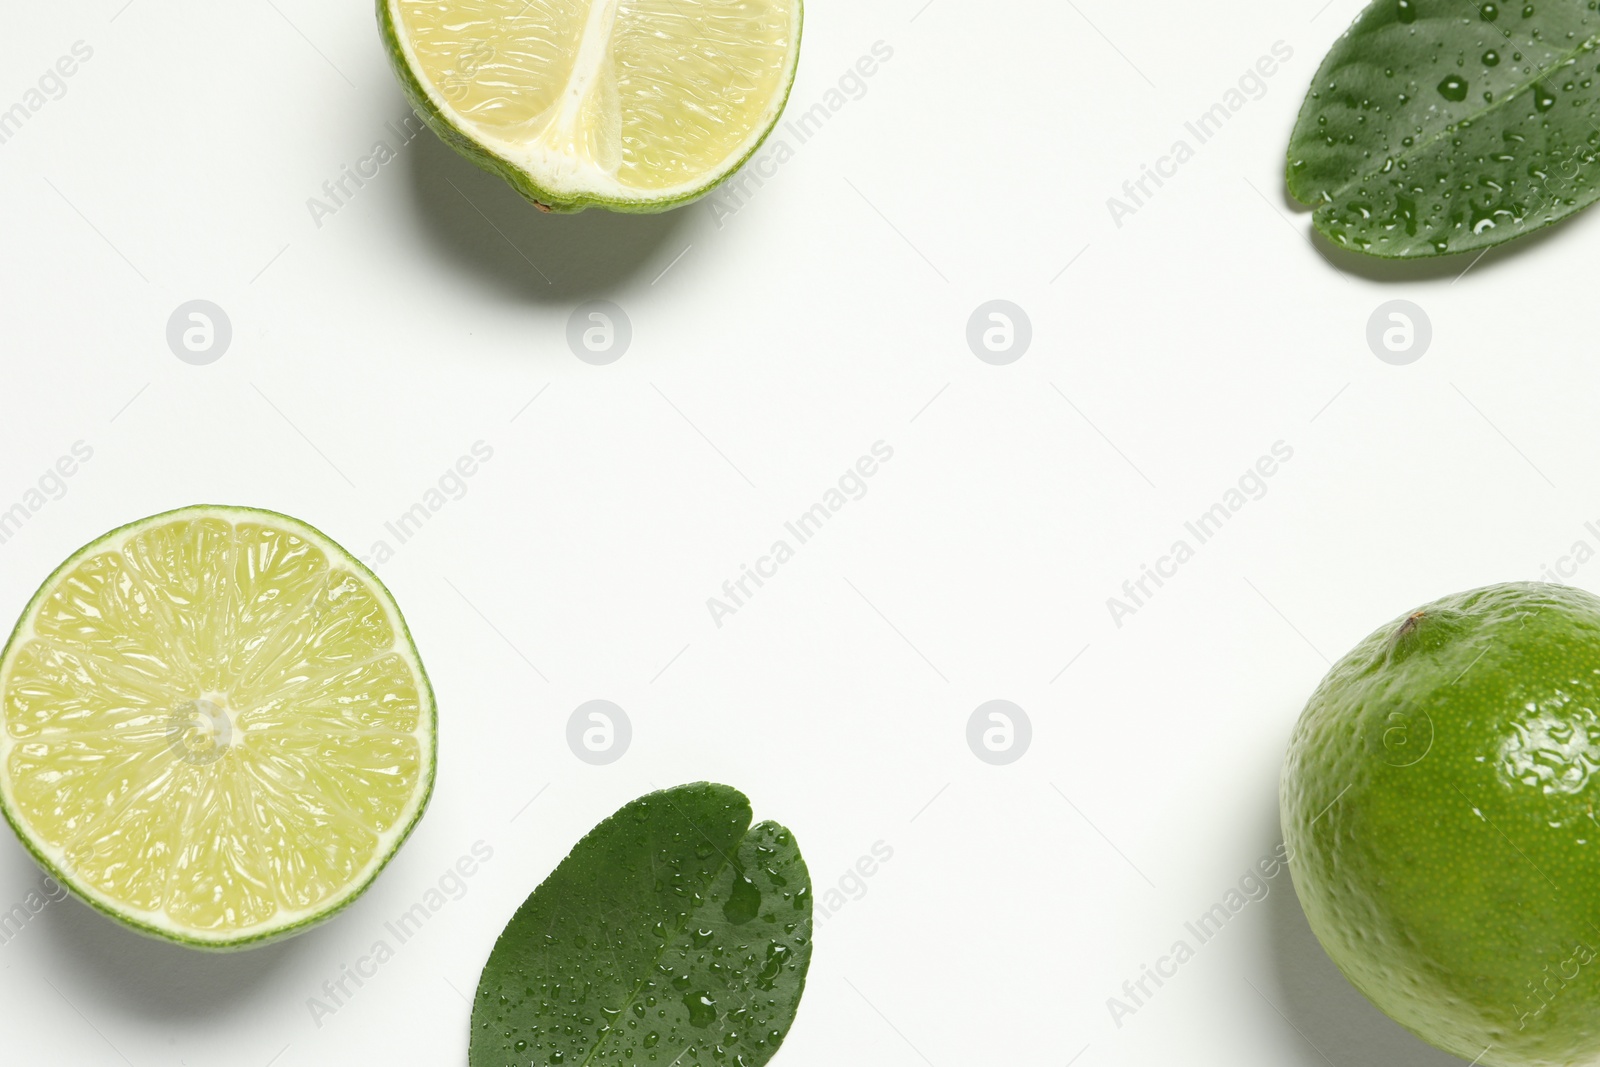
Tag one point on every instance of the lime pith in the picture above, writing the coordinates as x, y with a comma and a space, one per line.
632, 105
214, 726
1439, 797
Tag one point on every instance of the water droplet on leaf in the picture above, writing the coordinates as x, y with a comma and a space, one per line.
702, 1010
744, 901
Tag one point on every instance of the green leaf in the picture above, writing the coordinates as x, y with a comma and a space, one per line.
674, 934
1439, 126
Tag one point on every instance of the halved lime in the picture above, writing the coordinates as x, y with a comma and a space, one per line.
633, 105
216, 728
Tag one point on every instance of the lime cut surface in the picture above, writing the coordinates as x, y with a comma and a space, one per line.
216, 728
635, 105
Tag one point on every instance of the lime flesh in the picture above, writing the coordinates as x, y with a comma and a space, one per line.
635, 105
216, 728
1439, 797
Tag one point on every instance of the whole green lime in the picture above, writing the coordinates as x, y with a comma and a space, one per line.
1439, 800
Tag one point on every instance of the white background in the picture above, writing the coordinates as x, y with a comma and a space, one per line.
769, 352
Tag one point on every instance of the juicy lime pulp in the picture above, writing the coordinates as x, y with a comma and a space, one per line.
1439, 795
634, 105
216, 728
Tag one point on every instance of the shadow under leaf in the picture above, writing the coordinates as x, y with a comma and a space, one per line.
1432, 268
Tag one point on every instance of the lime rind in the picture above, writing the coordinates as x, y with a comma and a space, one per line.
1437, 797
436, 115
347, 895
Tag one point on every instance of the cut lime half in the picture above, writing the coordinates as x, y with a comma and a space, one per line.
633, 105
216, 728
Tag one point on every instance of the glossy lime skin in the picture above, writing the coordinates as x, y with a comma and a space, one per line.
1439, 797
